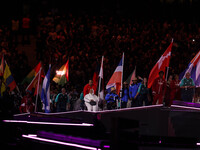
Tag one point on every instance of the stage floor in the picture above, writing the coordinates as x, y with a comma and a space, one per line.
147, 124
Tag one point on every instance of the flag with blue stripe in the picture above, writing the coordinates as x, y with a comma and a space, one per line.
45, 95
194, 69
116, 79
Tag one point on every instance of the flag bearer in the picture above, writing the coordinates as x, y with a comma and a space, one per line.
187, 88
158, 89
111, 99
133, 91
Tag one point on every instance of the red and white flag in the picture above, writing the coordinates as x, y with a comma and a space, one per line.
161, 65
116, 79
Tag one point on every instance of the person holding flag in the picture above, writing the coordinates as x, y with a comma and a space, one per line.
88, 87
156, 77
27, 104
187, 88
62, 101
125, 95
161, 65
111, 99
133, 88
143, 93
158, 89
175, 93
116, 80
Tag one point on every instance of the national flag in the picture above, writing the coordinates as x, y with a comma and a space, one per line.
45, 94
194, 69
2, 65
62, 75
116, 79
32, 74
8, 80
131, 77
101, 83
34, 83
161, 65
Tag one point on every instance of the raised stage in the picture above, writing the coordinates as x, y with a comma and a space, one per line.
139, 127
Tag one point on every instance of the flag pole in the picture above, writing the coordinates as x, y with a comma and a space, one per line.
167, 73
100, 82
122, 80
38, 84
168, 66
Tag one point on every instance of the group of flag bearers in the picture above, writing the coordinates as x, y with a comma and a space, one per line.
119, 92
163, 91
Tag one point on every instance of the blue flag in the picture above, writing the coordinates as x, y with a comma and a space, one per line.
45, 95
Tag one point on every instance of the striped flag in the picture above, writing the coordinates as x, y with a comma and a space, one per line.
45, 94
32, 74
35, 82
194, 69
116, 79
131, 77
8, 80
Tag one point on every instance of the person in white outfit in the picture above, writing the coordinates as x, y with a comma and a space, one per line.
91, 101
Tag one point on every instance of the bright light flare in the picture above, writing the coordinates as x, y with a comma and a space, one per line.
60, 72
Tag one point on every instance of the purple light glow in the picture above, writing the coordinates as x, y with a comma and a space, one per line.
182, 103
59, 142
106, 146
160, 142
49, 123
185, 107
198, 143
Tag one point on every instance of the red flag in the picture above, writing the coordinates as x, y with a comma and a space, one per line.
67, 70
161, 65
96, 75
2, 66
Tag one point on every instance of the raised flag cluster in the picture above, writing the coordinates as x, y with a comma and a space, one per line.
34, 78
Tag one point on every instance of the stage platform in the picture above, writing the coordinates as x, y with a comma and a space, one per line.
175, 126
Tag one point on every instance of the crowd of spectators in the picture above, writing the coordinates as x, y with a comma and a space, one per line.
84, 39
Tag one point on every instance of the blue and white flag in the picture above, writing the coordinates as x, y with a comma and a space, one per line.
45, 95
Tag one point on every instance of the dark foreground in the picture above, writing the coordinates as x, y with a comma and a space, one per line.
143, 128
